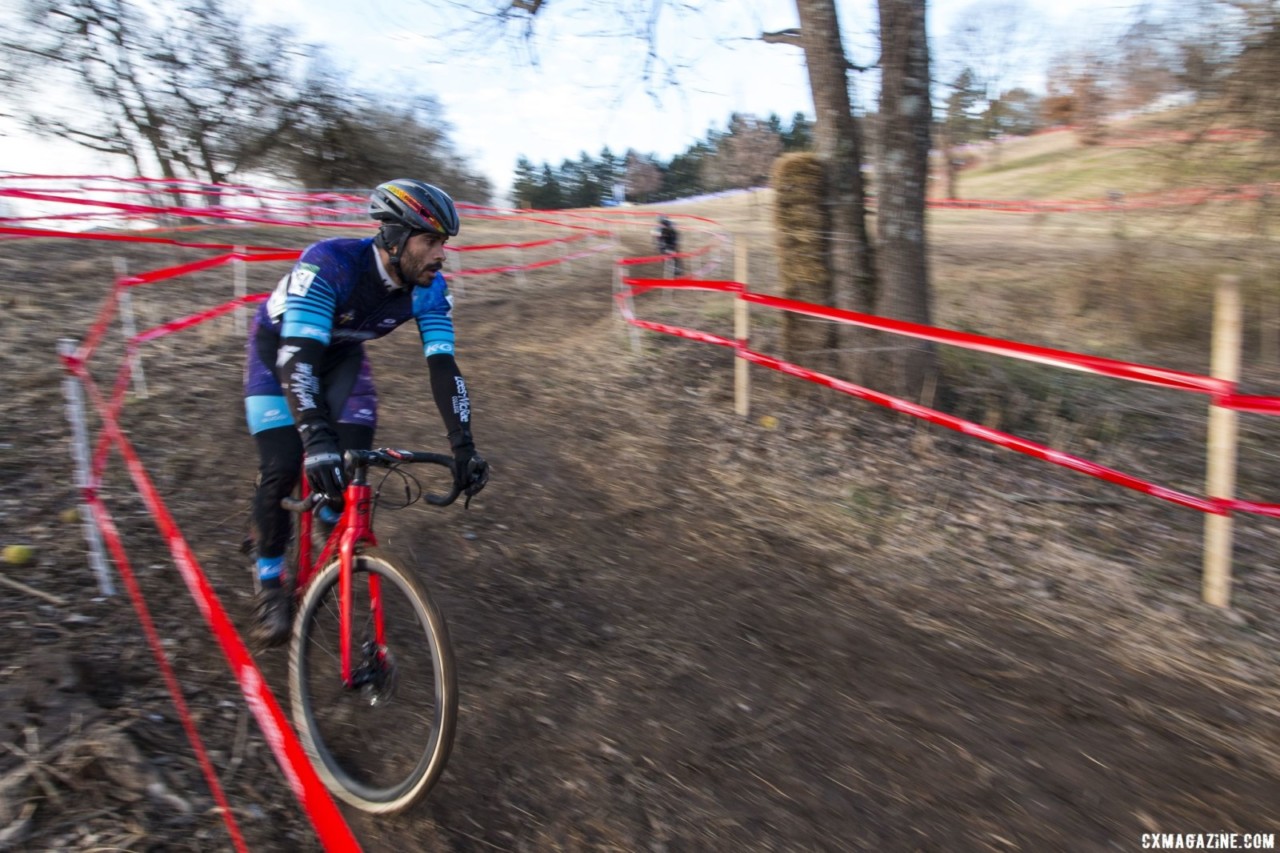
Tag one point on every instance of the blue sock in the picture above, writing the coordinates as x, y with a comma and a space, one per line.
270, 569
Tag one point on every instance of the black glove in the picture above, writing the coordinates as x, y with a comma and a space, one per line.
323, 463
470, 471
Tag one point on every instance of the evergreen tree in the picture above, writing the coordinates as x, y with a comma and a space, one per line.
1016, 113
962, 123
548, 195
800, 136
608, 171
526, 185
683, 177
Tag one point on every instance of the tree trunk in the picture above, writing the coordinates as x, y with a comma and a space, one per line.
837, 140
901, 184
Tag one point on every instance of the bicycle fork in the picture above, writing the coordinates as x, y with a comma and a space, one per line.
356, 528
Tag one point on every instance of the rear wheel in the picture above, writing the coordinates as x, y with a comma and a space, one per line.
381, 742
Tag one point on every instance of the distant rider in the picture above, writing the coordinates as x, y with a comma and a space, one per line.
668, 241
309, 392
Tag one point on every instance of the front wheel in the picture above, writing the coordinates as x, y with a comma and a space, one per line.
380, 742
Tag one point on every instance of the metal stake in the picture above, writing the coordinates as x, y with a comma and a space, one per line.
80, 453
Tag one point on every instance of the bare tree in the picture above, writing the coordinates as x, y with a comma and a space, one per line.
1077, 95
838, 140
837, 137
338, 136
1144, 71
631, 28
838, 143
202, 96
643, 177
228, 91
744, 155
194, 95
1202, 46
958, 127
903, 171
1252, 87
994, 38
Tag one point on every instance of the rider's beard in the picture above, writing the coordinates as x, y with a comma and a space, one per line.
424, 274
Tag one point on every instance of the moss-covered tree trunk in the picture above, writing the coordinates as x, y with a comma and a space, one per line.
802, 234
838, 141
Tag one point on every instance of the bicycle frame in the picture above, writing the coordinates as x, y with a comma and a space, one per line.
353, 528
370, 672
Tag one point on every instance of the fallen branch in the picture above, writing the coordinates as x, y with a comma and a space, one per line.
18, 828
30, 590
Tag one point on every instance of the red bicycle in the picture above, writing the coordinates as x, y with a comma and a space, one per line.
371, 672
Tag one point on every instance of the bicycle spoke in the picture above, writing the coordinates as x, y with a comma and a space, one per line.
388, 732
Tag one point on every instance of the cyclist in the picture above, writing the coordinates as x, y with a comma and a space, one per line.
309, 392
668, 240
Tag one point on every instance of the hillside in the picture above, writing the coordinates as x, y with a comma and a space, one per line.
1153, 154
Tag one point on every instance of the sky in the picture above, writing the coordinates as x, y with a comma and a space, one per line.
571, 89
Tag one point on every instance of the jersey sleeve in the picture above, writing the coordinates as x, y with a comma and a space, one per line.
433, 309
310, 299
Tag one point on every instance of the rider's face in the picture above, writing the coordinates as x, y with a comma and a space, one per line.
423, 257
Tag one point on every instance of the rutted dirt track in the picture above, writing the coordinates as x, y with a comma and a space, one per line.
675, 630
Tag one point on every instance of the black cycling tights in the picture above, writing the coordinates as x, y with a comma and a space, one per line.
279, 466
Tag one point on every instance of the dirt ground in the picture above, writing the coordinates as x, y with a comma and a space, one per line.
676, 629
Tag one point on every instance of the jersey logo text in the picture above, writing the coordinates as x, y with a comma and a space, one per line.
301, 278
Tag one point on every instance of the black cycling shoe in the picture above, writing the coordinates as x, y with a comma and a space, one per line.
272, 612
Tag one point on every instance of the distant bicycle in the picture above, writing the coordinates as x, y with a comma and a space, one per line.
371, 671
671, 266
667, 241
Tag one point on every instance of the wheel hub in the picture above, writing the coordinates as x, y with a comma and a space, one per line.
376, 677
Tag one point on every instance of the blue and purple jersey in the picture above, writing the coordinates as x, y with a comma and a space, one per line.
338, 295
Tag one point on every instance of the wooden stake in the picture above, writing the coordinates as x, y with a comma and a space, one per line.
742, 333
130, 329
626, 309
517, 260
1269, 324
1221, 477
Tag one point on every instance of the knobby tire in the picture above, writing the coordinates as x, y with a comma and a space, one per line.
350, 734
